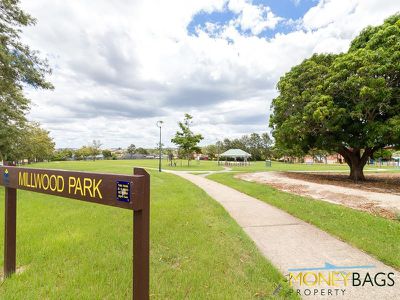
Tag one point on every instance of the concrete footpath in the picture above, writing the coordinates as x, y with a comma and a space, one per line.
290, 243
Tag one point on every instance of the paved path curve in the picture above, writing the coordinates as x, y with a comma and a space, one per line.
290, 243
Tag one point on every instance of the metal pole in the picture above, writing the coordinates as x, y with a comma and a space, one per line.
159, 123
141, 238
10, 231
159, 159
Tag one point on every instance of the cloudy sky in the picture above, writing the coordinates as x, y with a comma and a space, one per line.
119, 66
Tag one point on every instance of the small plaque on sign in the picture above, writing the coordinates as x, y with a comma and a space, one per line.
124, 191
6, 177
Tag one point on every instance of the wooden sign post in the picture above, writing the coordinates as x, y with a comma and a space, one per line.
124, 191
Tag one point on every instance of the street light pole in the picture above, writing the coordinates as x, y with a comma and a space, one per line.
159, 123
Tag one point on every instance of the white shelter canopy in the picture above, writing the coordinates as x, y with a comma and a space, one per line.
236, 153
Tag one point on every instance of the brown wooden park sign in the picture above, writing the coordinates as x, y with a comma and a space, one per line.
124, 191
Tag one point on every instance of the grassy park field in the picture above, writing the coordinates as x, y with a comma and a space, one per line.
197, 251
69, 249
181, 165
206, 165
375, 235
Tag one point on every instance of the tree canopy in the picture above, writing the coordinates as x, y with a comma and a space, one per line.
94, 149
131, 149
33, 144
106, 154
348, 103
19, 66
258, 145
186, 140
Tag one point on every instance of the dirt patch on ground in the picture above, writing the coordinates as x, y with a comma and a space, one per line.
379, 195
377, 182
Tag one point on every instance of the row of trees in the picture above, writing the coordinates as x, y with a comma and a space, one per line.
32, 143
259, 146
92, 150
347, 103
132, 150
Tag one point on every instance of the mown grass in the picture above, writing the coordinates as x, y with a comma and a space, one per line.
378, 236
204, 165
181, 165
280, 166
77, 250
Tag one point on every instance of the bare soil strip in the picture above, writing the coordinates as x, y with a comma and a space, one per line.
379, 195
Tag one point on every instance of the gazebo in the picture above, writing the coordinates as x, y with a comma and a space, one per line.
235, 154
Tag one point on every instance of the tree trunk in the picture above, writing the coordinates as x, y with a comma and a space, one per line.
357, 170
356, 161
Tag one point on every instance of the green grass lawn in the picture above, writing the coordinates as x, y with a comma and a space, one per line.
279, 166
77, 250
203, 165
181, 165
375, 235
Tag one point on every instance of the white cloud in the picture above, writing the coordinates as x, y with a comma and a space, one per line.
120, 66
348, 16
255, 18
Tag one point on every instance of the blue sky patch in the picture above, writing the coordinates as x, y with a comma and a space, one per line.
287, 9
215, 17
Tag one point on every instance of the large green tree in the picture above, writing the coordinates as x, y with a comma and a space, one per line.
106, 154
39, 145
63, 154
19, 66
259, 146
83, 153
95, 149
186, 140
348, 103
33, 144
211, 151
131, 149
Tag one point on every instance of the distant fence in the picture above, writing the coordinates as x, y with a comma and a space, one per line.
387, 163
